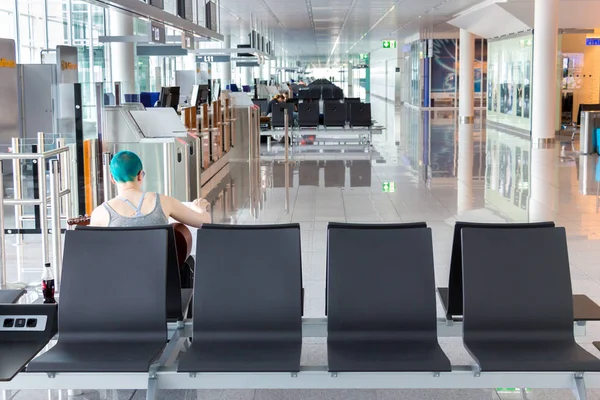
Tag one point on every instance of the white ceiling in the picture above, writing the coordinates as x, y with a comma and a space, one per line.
512, 16
331, 30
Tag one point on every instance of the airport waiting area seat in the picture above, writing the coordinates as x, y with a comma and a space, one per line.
26, 330
360, 115
178, 298
277, 116
381, 309
452, 296
334, 114
247, 304
308, 115
112, 308
518, 309
10, 296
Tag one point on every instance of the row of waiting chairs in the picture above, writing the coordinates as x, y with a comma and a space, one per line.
381, 309
335, 114
325, 92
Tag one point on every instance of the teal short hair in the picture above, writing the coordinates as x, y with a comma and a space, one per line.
125, 166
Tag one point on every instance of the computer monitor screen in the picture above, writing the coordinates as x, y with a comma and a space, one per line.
169, 97
246, 88
199, 95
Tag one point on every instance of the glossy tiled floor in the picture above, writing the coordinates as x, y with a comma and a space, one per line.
420, 169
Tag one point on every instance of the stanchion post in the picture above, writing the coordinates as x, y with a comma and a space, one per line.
106, 172
287, 164
43, 197
3, 281
55, 218
18, 190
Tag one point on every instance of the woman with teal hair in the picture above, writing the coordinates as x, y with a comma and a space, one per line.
134, 207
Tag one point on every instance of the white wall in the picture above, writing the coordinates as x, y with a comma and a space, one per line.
383, 65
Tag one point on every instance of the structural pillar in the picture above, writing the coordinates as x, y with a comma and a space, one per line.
466, 78
544, 186
226, 72
123, 54
350, 79
464, 199
543, 93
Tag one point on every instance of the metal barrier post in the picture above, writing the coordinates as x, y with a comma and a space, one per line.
287, 163
41, 165
3, 280
18, 190
55, 209
106, 172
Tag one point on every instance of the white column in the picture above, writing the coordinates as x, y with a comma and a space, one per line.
464, 200
123, 54
466, 77
349, 76
543, 106
544, 183
226, 67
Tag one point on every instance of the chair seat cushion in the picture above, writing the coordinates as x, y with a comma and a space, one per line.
97, 357
524, 356
386, 356
255, 356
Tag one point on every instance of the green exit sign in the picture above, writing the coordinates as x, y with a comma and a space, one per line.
364, 56
389, 44
388, 187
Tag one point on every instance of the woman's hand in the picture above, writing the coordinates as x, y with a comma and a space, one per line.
202, 205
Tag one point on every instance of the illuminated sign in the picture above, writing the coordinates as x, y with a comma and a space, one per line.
68, 66
388, 44
592, 41
4, 63
364, 56
213, 59
157, 33
388, 187
187, 41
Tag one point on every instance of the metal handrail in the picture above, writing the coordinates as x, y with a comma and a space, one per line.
56, 194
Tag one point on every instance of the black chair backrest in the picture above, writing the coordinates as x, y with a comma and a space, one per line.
518, 280
360, 114
338, 93
128, 271
174, 306
277, 116
315, 93
308, 114
248, 292
385, 290
334, 113
327, 93
304, 94
455, 284
340, 232
348, 101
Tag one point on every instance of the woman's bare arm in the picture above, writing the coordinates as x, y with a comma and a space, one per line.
186, 215
99, 217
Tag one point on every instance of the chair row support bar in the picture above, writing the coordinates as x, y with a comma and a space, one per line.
461, 377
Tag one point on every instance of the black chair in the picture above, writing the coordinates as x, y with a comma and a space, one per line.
11, 296
315, 93
248, 302
381, 299
27, 329
348, 101
308, 114
277, 117
178, 299
360, 114
334, 114
304, 94
452, 297
338, 93
518, 308
112, 315
327, 93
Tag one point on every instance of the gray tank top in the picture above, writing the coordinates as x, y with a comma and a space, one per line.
155, 217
